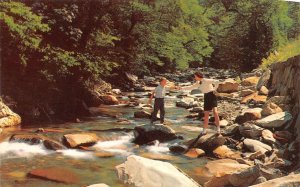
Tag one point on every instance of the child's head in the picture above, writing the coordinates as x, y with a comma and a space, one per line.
163, 81
198, 76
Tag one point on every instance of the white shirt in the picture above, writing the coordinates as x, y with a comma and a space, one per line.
205, 85
160, 92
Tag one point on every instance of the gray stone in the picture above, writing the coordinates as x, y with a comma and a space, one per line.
250, 130
245, 177
275, 120
255, 145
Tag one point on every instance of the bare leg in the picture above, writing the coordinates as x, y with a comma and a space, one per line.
206, 115
217, 119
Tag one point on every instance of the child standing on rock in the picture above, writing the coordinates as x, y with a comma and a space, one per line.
159, 104
208, 87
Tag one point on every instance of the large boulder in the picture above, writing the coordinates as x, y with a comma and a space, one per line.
147, 133
7, 117
245, 177
270, 108
250, 130
82, 139
208, 142
250, 81
267, 136
143, 172
275, 120
228, 86
255, 145
217, 173
287, 181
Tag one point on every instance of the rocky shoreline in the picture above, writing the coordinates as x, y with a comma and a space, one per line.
260, 137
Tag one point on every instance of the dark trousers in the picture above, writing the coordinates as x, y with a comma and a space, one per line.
159, 105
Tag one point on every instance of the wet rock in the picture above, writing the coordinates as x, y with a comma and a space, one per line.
142, 114
245, 177
217, 173
275, 120
147, 133
53, 145
187, 103
268, 137
31, 139
158, 156
250, 130
195, 91
250, 81
263, 81
208, 142
56, 174
7, 117
75, 140
270, 108
194, 115
109, 100
139, 171
178, 149
195, 153
263, 91
255, 145
246, 92
197, 110
224, 152
228, 86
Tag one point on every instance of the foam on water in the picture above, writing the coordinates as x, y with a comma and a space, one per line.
116, 146
77, 153
18, 149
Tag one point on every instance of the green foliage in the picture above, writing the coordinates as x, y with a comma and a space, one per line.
284, 52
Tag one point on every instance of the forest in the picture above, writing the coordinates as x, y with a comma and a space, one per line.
54, 52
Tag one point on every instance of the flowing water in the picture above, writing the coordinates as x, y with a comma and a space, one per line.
18, 158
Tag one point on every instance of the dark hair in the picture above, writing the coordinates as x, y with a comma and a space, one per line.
198, 74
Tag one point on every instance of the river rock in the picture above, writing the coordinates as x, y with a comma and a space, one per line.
109, 100
197, 110
250, 130
268, 137
224, 152
247, 98
250, 81
186, 103
252, 113
232, 129
145, 172
7, 117
263, 91
178, 149
142, 114
263, 81
246, 92
194, 153
223, 123
208, 142
217, 173
259, 180
146, 133
75, 140
283, 135
31, 139
228, 86
53, 145
270, 108
245, 177
255, 145
131, 77
56, 174
274, 120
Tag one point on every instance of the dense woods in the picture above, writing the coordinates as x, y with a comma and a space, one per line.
52, 52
